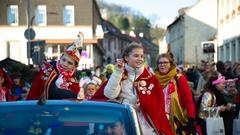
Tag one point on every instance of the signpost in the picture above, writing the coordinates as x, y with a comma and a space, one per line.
28, 31
36, 51
208, 48
29, 34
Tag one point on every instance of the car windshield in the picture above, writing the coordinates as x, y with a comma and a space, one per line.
71, 120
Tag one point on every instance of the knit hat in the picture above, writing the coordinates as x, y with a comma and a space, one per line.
110, 67
75, 49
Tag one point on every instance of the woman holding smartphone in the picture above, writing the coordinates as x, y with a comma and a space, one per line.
133, 84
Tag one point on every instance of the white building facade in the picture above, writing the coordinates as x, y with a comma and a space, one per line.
163, 45
192, 27
229, 32
58, 24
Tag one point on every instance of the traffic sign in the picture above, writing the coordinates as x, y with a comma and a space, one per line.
29, 34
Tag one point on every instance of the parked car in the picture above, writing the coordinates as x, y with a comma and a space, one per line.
61, 117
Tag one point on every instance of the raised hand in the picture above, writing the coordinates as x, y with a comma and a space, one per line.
120, 63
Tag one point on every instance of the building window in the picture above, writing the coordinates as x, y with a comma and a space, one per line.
41, 15
68, 15
115, 56
221, 52
12, 15
233, 44
238, 49
90, 48
227, 52
62, 48
55, 49
109, 45
120, 44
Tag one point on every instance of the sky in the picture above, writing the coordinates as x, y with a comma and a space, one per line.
160, 12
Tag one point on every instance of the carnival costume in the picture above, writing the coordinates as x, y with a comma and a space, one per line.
48, 80
133, 85
179, 105
53, 82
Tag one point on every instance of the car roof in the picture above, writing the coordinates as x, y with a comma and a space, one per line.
87, 108
68, 102
68, 111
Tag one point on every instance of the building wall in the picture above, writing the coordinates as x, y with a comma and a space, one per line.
111, 42
177, 40
9, 36
96, 20
229, 34
12, 38
83, 14
196, 33
97, 57
163, 46
203, 23
114, 47
193, 27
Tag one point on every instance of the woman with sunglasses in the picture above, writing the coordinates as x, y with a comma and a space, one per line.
57, 80
179, 105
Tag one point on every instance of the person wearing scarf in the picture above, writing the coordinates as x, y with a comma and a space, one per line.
56, 80
133, 84
179, 105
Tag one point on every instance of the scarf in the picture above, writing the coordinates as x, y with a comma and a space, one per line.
130, 76
66, 74
134, 72
63, 77
165, 79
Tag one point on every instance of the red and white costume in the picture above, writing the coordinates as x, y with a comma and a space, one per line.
140, 85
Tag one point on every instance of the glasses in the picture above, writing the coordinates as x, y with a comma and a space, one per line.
163, 62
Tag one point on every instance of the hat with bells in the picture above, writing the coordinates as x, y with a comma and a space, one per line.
75, 49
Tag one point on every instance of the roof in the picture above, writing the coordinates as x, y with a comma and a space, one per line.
67, 116
67, 41
149, 43
182, 12
110, 28
179, 18
66, 102
94, 1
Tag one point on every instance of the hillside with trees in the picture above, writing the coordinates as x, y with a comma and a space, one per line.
128, 20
